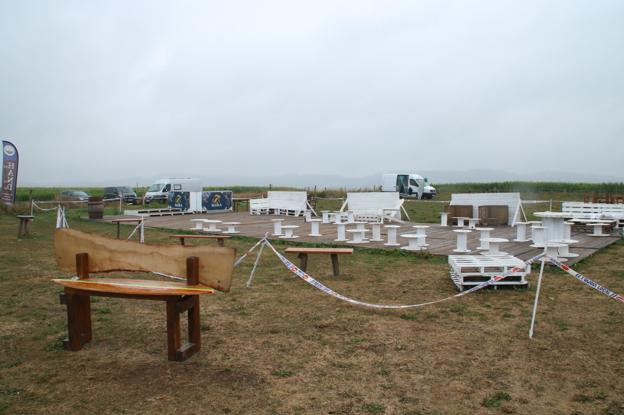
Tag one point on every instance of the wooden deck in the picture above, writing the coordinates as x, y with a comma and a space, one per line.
441, 240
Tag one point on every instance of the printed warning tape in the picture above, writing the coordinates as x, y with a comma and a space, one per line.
587, 281
317, 284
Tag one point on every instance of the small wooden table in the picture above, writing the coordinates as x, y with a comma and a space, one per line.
220, 238
23, 225
333, 252
126, 220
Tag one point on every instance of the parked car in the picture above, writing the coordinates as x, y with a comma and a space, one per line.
127, 194
73, 195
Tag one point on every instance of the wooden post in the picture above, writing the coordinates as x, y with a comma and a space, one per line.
220, 241
334, 260
173, 329
304, 261
78, 309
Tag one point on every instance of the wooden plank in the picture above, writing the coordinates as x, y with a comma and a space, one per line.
135, 287
216, 264
302, 250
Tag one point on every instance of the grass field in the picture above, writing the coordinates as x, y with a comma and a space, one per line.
283, 347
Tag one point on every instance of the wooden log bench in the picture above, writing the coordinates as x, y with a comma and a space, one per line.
220, 238
333, 252
205, 269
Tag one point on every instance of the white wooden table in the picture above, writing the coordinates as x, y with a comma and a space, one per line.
444, 219
538, 238
473, 222
521, 232
199, 225
289, 231
494, 245
325, 216
598, 229
376, 237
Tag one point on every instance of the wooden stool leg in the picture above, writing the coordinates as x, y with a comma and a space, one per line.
194, 333
334, 259
173, 330
78, 320
304, 261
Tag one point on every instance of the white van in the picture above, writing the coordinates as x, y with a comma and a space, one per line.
161, 188
408, 183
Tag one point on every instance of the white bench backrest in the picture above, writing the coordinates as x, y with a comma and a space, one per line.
511, 200
288, 200
373, 202
593, 210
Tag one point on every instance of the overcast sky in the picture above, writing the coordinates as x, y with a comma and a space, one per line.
93, 89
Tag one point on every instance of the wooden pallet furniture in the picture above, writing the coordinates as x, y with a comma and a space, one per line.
332, 252
470, 270
219, 238
374, 206
607, 211
493, 215
205, 269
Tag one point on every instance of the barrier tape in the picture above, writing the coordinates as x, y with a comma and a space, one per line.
249, 251
315, 283
587, 281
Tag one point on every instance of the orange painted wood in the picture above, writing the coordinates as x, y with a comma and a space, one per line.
135, 287
216, 264
296, 250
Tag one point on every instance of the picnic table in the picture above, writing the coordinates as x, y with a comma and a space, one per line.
119, 221
220, 238
333, 252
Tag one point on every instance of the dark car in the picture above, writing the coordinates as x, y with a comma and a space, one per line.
73, 195
127, 194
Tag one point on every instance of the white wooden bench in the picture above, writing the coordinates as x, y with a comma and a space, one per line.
281, 203
374, 206
581, 210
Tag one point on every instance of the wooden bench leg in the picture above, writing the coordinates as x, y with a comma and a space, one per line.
78, 320
175, 350
304, 261
220, 242
334, 260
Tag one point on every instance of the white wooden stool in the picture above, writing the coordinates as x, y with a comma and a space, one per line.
231, 227
315, 225
308, 215
289, 231
552, 250
416, 242
212, 225
199, 225
539, 237
444, 219
598, 229
360, 225
325, 216
521, 232
462, 240
484, 235
350, 216
277, 227
340, 230
473, 222
358, 235
376, 232
460, 221
392, 235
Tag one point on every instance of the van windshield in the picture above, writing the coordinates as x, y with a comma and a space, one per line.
156, 187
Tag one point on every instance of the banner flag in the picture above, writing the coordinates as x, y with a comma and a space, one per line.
10, 160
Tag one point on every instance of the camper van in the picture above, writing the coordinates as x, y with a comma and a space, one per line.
159, 191
408, 184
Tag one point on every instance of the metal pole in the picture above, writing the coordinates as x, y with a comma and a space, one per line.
253, 270
537, 293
